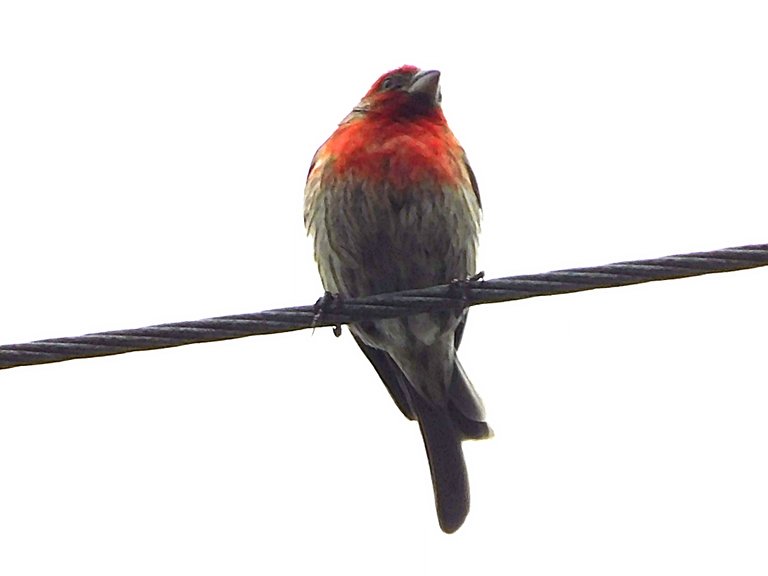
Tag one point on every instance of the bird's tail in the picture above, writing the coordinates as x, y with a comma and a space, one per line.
446, 463
443, 427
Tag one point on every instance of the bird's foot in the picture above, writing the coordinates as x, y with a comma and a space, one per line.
328, 302
461, 287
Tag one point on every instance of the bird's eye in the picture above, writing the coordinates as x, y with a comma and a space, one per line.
391, 83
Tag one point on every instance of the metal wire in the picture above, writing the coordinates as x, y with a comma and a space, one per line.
336, 312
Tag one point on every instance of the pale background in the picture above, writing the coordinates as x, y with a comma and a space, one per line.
152, 163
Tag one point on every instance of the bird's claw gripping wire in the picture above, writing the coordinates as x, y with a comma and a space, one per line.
462, 287
328, 302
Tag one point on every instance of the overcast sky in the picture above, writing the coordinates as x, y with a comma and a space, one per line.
152, 165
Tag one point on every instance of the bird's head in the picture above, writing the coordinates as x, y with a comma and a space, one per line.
404, 92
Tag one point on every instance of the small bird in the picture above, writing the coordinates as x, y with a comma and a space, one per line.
392, 204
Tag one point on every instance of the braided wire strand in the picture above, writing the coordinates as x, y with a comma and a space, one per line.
461, 295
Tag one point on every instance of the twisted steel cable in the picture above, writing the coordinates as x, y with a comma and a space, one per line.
335, 312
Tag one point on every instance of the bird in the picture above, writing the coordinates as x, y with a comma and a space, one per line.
392, 204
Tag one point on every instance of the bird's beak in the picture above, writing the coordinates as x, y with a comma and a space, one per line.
426, 82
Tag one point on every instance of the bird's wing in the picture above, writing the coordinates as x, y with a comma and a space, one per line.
459, 331
473, 181
394, 379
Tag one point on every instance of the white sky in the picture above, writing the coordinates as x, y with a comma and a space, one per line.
153, 157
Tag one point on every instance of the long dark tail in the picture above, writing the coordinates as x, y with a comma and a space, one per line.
442, 439
443, 427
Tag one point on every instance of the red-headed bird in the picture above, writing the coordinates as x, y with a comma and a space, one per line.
392, 205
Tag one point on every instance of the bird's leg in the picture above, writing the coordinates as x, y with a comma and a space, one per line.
328, 302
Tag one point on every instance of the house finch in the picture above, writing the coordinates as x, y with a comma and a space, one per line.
392, 205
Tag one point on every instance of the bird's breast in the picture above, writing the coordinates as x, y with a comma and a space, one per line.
397, 157
390, 209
